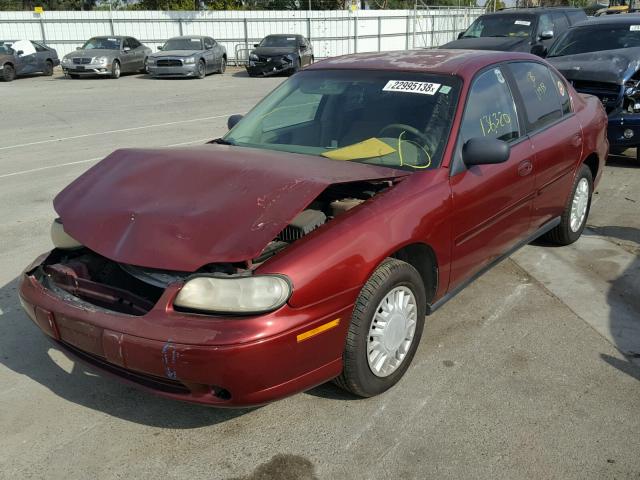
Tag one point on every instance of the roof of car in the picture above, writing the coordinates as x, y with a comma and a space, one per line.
110, 36
623, 19
448, 62
532, 10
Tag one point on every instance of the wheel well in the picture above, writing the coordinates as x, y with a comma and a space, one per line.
592, 162
421, 257
224, 55
9, 63
49, 60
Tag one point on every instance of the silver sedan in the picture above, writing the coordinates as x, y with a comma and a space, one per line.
189, 56
109, 56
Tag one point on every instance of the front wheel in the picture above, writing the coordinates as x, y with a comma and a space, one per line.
115, 70
385, 330
223, 66
8, 73
576, 211
201, 72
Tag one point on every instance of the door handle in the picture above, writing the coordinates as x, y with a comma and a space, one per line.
525, 167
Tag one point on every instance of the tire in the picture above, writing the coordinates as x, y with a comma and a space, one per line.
392, 278
202, 69
638, 154
144, 68
48, 68
74, 76
579, 202
116, 70
8, 73
223, 66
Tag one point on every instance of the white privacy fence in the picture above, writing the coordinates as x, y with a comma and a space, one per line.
331, 32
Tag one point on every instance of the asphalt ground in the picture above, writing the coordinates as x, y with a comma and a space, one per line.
531, 372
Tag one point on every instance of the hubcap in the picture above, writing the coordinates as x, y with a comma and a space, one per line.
579, 204
391, 331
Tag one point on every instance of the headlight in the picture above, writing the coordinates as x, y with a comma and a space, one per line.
62, 239
189, 60
150, 61
67, 61
258, 294
254, 57
100, 60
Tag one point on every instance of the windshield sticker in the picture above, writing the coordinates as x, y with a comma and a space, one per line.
424, 88
112, 39
561, 88
498, 75
291, 38
634, 28
493, 122
526, 23
445, 89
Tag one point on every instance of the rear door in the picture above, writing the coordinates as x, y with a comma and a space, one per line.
491, 203
555, 133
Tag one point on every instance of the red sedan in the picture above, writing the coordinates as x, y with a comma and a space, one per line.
310, 242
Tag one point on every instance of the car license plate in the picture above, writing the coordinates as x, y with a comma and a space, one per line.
79, 68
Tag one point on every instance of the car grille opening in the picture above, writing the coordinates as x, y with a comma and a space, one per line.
150, 381
82, 61
610, 94
169, 63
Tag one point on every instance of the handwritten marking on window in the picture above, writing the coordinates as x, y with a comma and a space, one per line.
492, 123
540, 88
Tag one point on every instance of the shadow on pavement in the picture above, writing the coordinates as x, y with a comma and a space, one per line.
26, 351
626, 288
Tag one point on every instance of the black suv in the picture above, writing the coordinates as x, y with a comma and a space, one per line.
529, 30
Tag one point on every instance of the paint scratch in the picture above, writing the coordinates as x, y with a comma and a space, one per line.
170, 360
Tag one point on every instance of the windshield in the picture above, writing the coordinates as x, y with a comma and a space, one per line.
183, 44
589, 39
278, 41
501, 26
102, 43
394, 119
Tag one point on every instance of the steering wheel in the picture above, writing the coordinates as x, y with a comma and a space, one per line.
406, 128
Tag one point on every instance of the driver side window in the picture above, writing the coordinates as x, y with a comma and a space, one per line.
208, 43
490, 110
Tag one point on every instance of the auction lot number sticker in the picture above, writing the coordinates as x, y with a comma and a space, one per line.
424, 88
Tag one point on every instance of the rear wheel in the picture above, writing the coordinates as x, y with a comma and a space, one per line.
202, 69
115, 70
385, 330
48, 68
8, 73
223, 66
576, 211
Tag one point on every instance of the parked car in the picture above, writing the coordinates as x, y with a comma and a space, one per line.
25, 57
190, 56
310, 241
280, 54
600, 57
107, 56
518, 29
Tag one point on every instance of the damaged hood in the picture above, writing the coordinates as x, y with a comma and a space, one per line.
503, 44
610, 66
180, 209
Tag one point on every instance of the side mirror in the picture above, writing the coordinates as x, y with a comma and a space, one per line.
160, 47
78, 48
539, 50
485, 151
546, 35
460, 35
233, 120
126, 49
20, 52
256, 45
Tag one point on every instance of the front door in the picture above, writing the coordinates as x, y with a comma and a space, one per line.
491, 203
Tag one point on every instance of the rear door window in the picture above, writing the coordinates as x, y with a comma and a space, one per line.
490, 110
539, 93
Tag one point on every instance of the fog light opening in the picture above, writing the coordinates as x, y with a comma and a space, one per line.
221, 393
628, 133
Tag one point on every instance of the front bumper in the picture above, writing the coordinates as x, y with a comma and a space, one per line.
619, 122
227, 362
183, 71
87, 70
266, 69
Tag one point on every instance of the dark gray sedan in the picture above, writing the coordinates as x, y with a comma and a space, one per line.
108, 56
25, 57
189, 56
